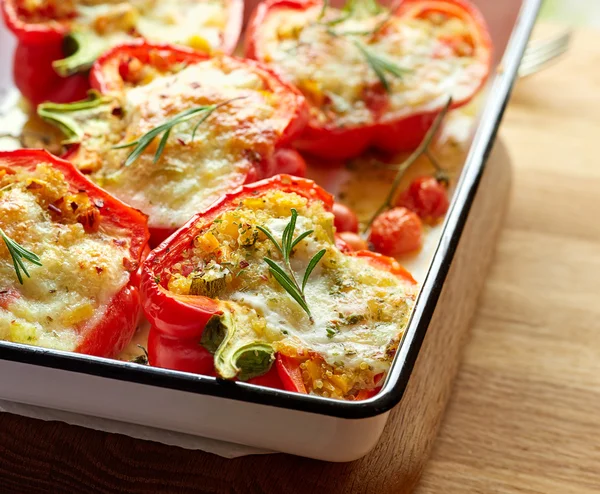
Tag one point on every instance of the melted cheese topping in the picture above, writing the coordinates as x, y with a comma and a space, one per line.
436, 56
196, 23
191, 174
358, 312
80, 271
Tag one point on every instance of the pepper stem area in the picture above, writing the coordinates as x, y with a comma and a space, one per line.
83, 50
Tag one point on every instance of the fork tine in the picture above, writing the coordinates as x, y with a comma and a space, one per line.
537, 65
542, 52
540, 57
537, 43
548, 45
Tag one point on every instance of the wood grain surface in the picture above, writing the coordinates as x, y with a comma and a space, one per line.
525, 411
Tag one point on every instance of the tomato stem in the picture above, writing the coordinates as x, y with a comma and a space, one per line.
423, 149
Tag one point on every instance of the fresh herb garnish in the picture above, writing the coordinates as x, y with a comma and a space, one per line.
423, 149
18, 254
288, 279
165, 129
380, 65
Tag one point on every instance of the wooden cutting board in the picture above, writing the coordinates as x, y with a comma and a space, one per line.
525, 411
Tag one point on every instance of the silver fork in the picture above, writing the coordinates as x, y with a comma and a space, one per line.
542, 52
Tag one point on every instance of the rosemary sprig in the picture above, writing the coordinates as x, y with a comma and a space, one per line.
18, 254
288, 279
165, 129
423, 149
380, 65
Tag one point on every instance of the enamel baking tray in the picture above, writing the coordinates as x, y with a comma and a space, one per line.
237, 412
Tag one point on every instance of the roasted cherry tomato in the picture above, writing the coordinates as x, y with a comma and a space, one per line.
353, 240
397, 232
345, 219
427, 197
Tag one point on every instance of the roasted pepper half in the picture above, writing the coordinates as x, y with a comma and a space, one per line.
58, 40
169, 130
257, 285
69, 258
373, 76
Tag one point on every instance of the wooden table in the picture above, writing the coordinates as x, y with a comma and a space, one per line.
525, 413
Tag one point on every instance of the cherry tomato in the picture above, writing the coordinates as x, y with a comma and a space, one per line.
396, 232
427, 197
290, 162
353, 240
345, 219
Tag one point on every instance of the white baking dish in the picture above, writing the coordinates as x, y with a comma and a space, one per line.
236, 412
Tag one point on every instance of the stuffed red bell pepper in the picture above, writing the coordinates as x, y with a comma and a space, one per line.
58, 40
171, 130
69, 256
257, 286
373, 76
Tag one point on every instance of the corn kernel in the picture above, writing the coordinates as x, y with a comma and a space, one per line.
341, 383
199, 43
77, 315
21, 332
207, 242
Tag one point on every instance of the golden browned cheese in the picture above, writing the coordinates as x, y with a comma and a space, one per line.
82, 261
333, 64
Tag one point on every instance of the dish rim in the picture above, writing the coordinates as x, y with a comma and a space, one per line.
397, 380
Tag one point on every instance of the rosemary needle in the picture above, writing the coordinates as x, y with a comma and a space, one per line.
380, 65
142, 143
18, 254
286, 277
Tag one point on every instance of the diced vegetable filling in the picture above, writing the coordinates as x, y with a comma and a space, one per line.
345, 334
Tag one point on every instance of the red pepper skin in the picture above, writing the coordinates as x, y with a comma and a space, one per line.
41, 43
106, 77
177, 321
109, 336
290, 374
401, 134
